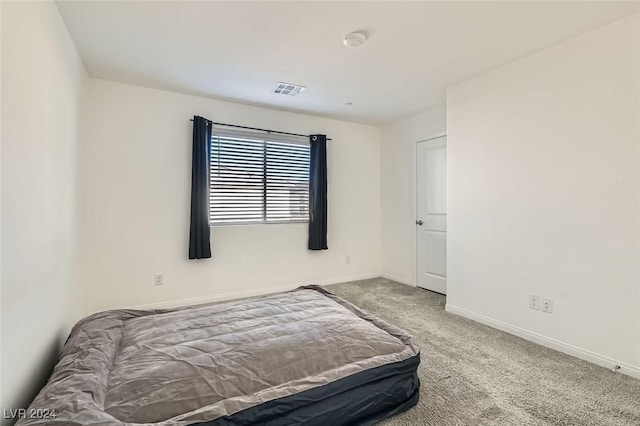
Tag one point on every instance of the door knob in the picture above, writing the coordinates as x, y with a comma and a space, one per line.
419, 222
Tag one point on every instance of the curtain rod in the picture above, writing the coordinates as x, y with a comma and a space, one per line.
256, 128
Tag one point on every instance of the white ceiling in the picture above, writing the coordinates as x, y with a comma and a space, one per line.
239, 50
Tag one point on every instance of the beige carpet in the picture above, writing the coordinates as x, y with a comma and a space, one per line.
472, 374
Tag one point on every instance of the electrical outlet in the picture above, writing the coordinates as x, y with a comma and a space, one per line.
534, 302
158, 279
547, 305
348, 260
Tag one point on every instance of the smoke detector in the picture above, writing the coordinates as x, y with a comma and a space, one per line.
355, 39
288, 89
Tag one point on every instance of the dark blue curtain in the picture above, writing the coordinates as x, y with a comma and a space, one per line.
199, 232
318, 193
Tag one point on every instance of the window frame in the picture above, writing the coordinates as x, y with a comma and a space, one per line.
265, 139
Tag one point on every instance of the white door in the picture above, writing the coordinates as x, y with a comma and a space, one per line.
431, 212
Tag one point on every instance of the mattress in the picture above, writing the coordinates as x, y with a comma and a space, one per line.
300, 357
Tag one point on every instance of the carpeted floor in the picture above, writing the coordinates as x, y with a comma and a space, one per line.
472, 374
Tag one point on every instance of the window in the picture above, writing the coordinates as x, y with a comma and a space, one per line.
256, 179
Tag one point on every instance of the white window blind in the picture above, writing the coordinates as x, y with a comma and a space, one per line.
258, 179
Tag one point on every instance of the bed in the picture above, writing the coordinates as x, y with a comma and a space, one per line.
305, 357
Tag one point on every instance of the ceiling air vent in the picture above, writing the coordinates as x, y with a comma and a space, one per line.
288, 89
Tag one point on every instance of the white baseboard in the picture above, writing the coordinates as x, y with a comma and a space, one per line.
628, 369
344, 279
218, 297
397, 279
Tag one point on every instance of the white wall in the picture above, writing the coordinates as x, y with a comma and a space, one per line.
544, 195
1, 394
398, 189
42, 85
136, 157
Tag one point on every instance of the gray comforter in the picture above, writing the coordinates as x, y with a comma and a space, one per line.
187, 365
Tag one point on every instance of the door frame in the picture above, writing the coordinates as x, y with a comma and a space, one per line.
414, 177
